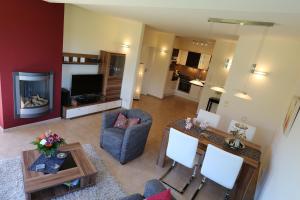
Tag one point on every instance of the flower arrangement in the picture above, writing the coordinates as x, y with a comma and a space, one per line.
47, 143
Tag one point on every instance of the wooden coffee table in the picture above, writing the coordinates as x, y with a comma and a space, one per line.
38, 185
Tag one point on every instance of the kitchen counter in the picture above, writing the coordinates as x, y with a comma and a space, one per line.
197, 82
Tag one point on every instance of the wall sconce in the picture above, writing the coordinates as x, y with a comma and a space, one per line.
163, 51
243, 95
125, 46
228, 63
257, 72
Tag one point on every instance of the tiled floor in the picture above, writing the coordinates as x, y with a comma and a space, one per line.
134, 174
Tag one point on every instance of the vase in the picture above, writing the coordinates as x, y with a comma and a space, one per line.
50, 155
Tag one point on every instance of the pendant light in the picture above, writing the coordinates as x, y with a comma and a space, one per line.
243, 94
218, 89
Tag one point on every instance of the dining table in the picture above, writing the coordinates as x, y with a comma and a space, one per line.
246, 182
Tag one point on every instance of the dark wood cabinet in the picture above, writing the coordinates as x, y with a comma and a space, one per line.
112, 66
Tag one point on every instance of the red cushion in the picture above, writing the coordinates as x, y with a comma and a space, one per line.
164, 195
121, 121
133, 121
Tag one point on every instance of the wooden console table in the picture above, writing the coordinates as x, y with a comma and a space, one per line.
38, 185
247, 180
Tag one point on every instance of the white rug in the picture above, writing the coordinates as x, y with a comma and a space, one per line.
106, 188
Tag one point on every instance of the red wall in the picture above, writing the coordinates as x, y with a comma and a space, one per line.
31, 40
1, 113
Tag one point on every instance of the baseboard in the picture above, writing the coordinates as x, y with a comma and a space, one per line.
31, 124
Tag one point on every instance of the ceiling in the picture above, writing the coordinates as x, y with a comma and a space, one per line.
188, 18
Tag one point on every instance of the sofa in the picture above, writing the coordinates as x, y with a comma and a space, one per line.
152, 187
125, 144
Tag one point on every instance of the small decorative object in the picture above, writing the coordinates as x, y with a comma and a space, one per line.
75, 59
66, 59
74, 102
47, 143
72, 183
291, 115
82, 59
239, 134
40, 167
195, 122
188, 123
204, 125
61, 155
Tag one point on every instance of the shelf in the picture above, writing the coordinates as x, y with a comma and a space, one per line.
80, 59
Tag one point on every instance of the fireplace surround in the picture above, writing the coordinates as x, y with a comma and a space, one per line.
33, 94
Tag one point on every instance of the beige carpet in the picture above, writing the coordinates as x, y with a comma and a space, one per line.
106, 188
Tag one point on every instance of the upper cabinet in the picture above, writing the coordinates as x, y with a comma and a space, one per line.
191, 59
204, 61
182, 57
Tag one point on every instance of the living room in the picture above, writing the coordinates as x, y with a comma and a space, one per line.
56, 39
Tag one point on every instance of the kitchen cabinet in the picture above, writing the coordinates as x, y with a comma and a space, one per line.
204, 61
182, 57
195, 92
193, 59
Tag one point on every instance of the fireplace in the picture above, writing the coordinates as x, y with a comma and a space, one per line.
33, 94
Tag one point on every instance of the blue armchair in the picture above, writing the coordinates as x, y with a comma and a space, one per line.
125, 144
152, 187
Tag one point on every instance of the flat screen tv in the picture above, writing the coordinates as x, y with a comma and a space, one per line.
86, 84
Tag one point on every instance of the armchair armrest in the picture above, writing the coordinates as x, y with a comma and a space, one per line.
134, 141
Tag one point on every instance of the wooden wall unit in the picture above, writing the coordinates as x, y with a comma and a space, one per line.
112, 66
82, 59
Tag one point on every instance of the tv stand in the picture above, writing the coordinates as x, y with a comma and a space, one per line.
87, 98
70, 112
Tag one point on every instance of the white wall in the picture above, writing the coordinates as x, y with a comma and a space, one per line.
156, 62
68, 70
271, 97
282, 178
217, 74
89, 32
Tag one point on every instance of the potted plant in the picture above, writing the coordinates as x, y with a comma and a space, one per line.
48, 143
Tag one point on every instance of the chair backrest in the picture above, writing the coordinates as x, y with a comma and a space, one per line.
221, 167
250, 132
211, 118
182, 148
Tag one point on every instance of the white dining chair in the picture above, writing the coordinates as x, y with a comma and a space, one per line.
221, 167
211, 118
182, 149
250, 132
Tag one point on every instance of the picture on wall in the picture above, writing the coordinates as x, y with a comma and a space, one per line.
291, 115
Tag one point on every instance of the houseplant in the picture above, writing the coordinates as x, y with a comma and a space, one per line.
48, 143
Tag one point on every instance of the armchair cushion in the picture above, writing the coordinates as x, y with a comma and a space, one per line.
121, 121
165, 195
112, 140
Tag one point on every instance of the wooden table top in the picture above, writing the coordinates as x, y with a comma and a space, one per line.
221, 135
34, 181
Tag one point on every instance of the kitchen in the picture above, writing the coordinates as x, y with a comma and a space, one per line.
189, 65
